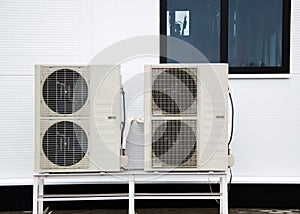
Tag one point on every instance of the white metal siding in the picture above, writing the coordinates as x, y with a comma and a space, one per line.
16, 126
37, 32
295, 37
266, 139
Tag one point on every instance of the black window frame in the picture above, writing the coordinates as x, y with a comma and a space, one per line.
286, 32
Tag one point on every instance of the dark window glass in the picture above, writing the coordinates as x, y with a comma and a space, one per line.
255, 33
253, 36
196, 22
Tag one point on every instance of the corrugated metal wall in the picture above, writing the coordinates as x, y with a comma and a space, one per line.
266, 141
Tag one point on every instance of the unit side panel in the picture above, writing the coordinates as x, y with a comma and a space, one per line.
213, 117
105, 118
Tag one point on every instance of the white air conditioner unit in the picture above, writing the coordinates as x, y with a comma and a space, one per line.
186, 117
78, 118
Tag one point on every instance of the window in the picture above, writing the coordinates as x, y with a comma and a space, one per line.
205, 34
253, 36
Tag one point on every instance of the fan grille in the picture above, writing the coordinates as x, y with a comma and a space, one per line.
174, 90
65, 143
65, 91
174, 143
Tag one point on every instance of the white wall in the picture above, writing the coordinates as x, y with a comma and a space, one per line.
266, 141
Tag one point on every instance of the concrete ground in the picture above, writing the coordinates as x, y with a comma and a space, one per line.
168, 211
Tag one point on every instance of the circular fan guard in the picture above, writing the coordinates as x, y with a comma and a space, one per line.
174, 91
65, 91
174, 142
65, 143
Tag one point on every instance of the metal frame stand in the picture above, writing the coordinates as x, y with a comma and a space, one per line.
131, 178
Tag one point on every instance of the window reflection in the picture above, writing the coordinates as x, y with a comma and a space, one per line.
196, 22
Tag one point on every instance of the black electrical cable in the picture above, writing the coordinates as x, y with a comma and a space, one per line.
232, 118
229, 142
229, 187
124, 116
230, 180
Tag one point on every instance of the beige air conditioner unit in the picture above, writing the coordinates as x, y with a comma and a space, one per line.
77, 118
186, 117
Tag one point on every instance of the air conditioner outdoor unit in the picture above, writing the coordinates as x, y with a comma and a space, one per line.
77, 118
186, 117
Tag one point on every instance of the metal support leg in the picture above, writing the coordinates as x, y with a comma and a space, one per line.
131, 197
224, 195
40, 195
35, 195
